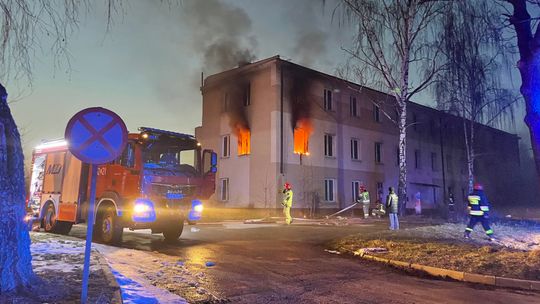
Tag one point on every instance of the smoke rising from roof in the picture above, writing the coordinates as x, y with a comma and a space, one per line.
310, 46
221, 33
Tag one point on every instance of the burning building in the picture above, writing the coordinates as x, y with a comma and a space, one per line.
326, 136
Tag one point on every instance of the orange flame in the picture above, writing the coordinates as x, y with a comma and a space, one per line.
302, 132
244, 139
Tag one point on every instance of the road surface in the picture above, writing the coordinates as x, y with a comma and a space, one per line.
273, 263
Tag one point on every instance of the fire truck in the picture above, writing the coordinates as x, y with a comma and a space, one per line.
158, 183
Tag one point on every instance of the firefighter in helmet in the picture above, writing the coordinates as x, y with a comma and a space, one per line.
364, 199
287, 202
478, 211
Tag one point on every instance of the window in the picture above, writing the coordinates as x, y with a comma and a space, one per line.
380, 191
378, 153
244, 138
128, 156
433, 161
328, 106
355, 185
355, 149
376, 113
397, 156
417, 160
354, 107
225, 103
247, 95
224, 194
301, 134
329, 190
329, 145
225, 146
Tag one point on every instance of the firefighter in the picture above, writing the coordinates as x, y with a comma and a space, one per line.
478, 211
287, 202
392, 207
364, 199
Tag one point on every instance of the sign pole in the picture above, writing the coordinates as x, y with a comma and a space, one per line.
89, 230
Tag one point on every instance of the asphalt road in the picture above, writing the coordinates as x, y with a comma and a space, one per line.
272, 263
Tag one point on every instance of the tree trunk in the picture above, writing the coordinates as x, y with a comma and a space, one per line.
402, 183
469, 150
15, 259
530, 90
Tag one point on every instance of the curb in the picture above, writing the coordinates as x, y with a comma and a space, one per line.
102, 263
459, 275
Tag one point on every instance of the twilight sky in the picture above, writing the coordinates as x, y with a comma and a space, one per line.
147, 68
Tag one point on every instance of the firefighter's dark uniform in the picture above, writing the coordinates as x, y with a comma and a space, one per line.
478, 212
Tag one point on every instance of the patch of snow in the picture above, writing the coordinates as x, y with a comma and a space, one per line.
133, 270
134, 292
520, 237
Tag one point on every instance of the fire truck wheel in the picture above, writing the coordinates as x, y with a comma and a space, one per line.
172, 233
108, 227
49, 219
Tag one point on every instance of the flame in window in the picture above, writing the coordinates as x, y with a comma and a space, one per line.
244, 140
302, 131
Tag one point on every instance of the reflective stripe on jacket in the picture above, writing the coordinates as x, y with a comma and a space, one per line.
287, 198
364, 197
478, 203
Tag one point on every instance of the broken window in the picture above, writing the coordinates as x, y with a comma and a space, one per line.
328, 100
244, 138
302, 131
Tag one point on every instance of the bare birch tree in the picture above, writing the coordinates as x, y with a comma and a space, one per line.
27, 28
392, 41
469, 86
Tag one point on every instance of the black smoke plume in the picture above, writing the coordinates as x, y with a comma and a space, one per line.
221, 33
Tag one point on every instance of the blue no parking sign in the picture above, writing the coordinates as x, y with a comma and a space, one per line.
95, 136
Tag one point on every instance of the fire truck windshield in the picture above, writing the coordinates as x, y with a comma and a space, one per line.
156, 157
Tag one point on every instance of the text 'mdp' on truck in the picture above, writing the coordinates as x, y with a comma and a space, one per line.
158, 182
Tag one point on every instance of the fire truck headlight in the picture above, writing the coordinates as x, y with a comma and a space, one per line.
198, 208
143, 211
141, 208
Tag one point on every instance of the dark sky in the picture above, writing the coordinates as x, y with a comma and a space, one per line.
147, 68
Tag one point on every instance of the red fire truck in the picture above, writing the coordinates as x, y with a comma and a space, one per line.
157, 183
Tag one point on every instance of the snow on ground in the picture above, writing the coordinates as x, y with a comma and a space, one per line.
522, 237
151, 277
68, 255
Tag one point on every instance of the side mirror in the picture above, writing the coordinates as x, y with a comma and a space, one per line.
213, 163
209, 161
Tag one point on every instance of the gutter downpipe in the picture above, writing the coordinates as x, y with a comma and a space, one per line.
281, 169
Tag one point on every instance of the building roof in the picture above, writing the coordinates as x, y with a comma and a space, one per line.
277, 59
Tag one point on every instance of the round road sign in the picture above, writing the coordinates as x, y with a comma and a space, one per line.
96, 135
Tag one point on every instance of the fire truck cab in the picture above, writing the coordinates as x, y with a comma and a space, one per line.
158, 183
